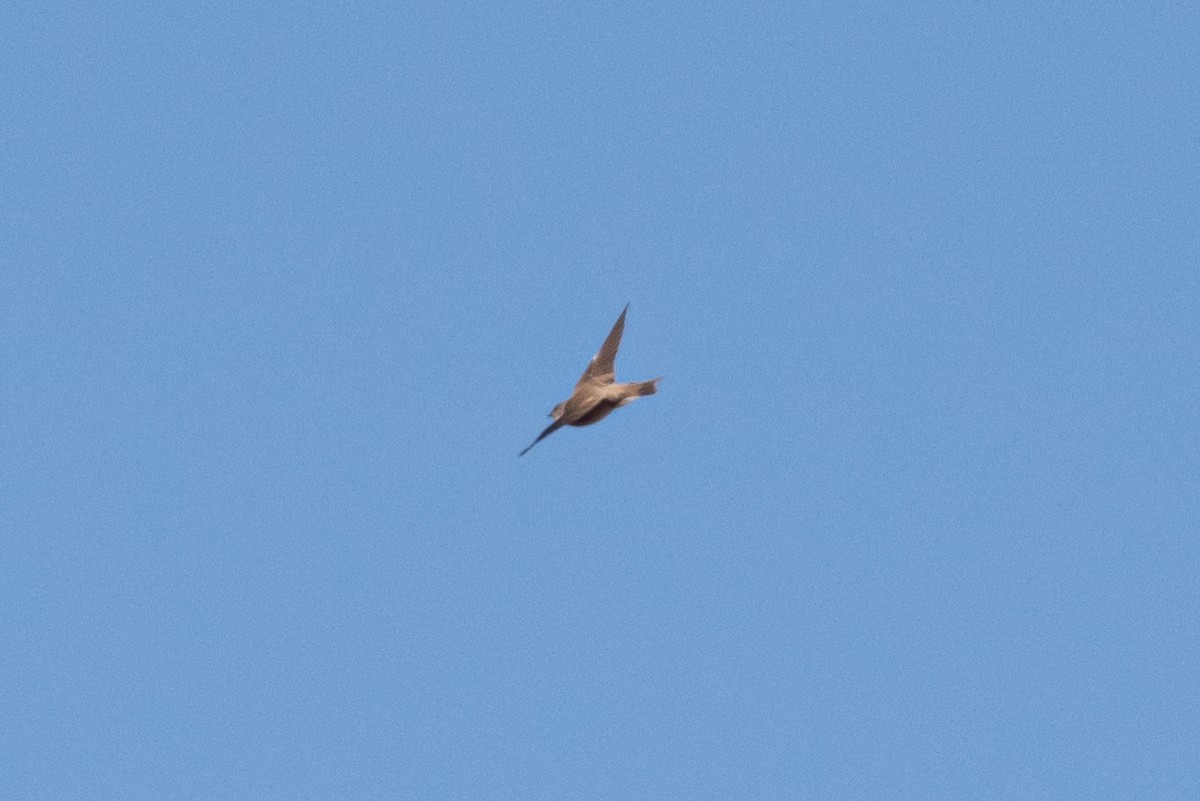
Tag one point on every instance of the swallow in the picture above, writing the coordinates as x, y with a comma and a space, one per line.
596, 394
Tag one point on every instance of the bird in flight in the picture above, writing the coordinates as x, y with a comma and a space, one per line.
597, 393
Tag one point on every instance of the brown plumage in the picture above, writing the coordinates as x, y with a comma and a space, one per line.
596, 393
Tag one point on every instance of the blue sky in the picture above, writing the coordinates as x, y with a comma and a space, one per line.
913, 515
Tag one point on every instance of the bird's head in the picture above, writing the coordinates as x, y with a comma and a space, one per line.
557, 411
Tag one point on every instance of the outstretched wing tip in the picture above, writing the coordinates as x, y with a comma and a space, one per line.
550, 429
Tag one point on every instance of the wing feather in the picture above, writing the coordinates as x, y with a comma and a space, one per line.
601, 369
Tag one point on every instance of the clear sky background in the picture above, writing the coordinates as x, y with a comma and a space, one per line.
285, 288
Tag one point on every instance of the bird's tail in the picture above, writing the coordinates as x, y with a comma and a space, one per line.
647, 387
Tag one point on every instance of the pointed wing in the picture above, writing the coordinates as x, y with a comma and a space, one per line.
550, 429
600, 369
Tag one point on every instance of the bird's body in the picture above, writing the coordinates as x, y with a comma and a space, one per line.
597, 393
